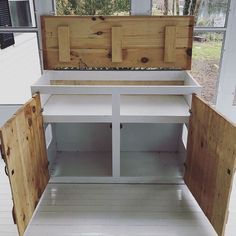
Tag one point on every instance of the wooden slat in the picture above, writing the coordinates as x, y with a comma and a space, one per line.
211, 161
116, 44
115, 82
140, 36
170, 44
24, 150
85, 58
64, 43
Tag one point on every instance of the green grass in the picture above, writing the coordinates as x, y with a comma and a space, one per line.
207, 50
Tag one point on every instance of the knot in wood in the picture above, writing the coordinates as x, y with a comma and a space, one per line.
30, 122
8, 151
101, 17
144, 59
33, 109
189, 52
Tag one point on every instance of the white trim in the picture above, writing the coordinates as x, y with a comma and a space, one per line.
227, 81
116, 135
119, 180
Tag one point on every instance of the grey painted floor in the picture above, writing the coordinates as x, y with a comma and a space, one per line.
113, 210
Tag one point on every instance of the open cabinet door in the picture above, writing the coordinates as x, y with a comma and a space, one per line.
24, 152
210, 164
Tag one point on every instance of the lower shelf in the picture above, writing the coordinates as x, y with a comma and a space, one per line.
82, 164
160, 164
96, 167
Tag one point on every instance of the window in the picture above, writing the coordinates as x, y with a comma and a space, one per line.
93, 7
20, 13
207, 12
210, 26
6, 40
206, 62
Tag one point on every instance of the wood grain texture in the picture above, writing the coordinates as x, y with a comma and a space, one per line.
64, 43
116, 44
211, 164
170, 44
143, 41
24, 150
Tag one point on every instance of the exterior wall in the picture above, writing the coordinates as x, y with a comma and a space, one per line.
227, 82
6, 112
19, 68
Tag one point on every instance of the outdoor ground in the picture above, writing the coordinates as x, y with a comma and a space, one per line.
205, 67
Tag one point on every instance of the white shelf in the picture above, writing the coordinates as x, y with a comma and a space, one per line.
189, 86
163, 165
95, 167
78, 108
133, 109
154, 109
82, 164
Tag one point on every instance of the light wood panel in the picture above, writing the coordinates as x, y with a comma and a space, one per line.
116, 44
118, 41
211, 164
170, 44
64, 43
24, 152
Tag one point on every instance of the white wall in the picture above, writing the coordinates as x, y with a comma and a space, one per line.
19, 68
6, 112
227, 81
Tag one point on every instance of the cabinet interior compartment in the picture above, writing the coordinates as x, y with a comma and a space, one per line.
81, 150
152, 150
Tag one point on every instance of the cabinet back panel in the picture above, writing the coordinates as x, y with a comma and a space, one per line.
134, 137
83, 137
150, 137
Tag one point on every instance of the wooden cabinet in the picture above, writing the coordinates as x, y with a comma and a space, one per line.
118, 126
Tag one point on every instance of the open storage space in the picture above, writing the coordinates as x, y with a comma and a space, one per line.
81, 150
152, 150
154, 108
78, 108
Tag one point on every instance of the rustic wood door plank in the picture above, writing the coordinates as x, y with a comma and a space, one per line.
24, 152
211, 162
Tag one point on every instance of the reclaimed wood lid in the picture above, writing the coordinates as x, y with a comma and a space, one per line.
84, 42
